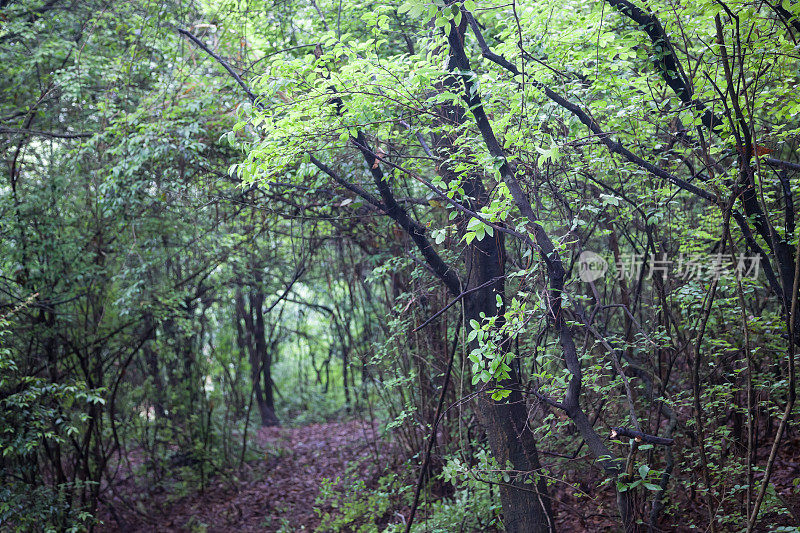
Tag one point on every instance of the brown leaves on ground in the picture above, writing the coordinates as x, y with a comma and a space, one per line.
279, 491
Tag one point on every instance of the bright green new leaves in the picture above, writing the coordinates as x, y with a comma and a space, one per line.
439, 11
489, 340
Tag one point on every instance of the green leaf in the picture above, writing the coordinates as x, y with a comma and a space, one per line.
609, 199
406, 7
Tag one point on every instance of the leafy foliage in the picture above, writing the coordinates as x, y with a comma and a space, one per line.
225, 215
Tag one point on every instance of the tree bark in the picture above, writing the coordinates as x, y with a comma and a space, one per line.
263, 359
526, 503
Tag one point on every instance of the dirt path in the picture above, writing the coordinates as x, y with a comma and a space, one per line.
279, 491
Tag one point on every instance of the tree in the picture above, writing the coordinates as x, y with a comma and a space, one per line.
358, 97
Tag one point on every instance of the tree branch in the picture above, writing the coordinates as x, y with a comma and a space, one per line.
603, 137
200, 44
417, 233
671, 70
52, 134
638, 436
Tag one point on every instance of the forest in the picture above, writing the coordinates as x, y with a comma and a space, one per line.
401, 266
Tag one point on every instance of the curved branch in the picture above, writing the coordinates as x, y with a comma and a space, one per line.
221, 61
603, 137
417, 233
442, 270
638, 436
671, 70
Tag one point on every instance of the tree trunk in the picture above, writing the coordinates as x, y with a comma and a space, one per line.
264, 395
248, 338
526, 505
151, 359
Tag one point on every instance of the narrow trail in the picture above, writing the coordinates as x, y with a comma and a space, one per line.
278, 492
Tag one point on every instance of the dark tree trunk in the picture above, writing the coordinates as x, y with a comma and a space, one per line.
253, 338
345, 376
151, 359
263, 359
526, 506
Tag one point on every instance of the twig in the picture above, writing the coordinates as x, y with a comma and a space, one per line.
456, 299
54, 135
221, 61
432, 437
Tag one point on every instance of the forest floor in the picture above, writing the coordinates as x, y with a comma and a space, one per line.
275, 494
278, 491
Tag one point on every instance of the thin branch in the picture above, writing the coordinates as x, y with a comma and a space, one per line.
604, 137
456, 300
52, 134
222, 62
638, 436
432, 437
